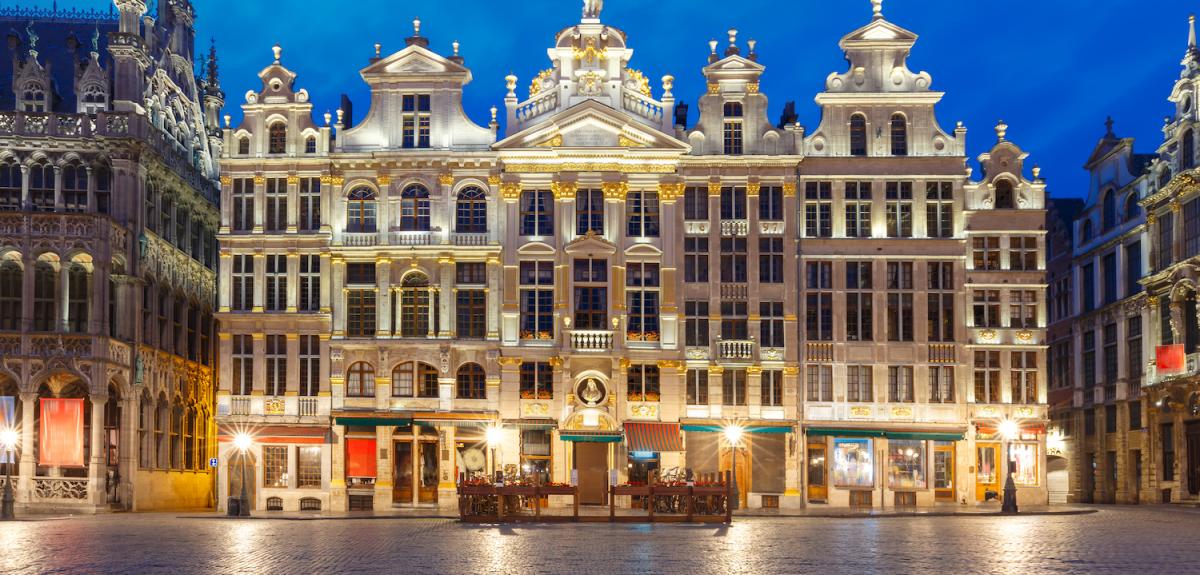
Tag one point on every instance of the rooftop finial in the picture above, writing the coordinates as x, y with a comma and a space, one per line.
877, 7
1001, 130
1108, 131
416, 26
1192, 31
454, 44
712, 45
278, 51
592, 8
378, 49
733, 36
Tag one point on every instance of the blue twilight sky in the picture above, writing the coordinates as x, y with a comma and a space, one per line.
1052, 69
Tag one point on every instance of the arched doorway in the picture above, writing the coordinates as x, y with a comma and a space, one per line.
1057, 479
66, 389
242, 464
112, 446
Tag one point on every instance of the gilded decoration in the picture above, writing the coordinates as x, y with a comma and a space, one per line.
535, 409
714, 88
509, 361
493, 180
326, 180
791, 370
293, 180
615, 190
860, 411
563, 190
260, 180
789, 189
753, 188
627, 142
384, 180
669, 192
535, 86
714, 188
752, 88
640, 168
590, 54
339, 181
643, 410
226, 180
637, 77
670, 364
446, 179
510, 191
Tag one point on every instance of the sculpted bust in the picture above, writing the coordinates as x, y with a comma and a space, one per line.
592, 8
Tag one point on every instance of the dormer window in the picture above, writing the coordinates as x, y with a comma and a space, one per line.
33, 97
415, 119
94, 100
733, 128
1187, 150
899, 135
1108, 212
858, 135
243, 148
1004, 195
310, 145
277, 138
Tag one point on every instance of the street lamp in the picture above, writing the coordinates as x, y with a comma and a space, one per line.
493, 436
1009, 430
242, 442
8, 441
733, 434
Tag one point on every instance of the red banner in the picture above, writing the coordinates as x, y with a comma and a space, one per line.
360, 458
1170, 359
61, 439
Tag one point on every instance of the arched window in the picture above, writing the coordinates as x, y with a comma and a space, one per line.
1132, 208
277, 138
189, 439
45, 294
310, 145
471, 211
470, 381
414, 209
94, 100
41, 186
243, 148
1004, 195
360, 380
112, 427
414, 306
177, 418
10, 186
414, 379
11, 278
1086, 233
1187, 150
899, 135
733, 128
103, 177
858, 135
78, 296
1108, 210
360, 211
145, 429
162, 426
74, 187
33, 97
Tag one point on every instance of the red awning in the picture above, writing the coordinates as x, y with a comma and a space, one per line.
360, 457
274, 433
1031, 428
655, 437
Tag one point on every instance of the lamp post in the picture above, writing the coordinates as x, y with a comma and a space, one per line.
733, 433
8, 441
242, 441
493, 436
1008, 430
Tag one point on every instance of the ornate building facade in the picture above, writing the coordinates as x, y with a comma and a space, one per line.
107, 258
593, 295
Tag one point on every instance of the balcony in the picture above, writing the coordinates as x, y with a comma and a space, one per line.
359, 239
409, 238
771, 228
239, 405
735, 291
738, 350
591, 340
461, 239
943, 353
309, 407
737, 228
818, 351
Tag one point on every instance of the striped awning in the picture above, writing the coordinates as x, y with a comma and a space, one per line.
657, 437
590, 436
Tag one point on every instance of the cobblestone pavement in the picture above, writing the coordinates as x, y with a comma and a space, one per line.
1115, 540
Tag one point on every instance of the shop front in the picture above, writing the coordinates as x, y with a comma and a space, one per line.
1018, 450
592, 455
284, 467
758, 458
869, 468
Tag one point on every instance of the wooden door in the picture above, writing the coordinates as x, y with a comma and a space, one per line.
428, 484
818, 482
988, 474
1193, 457
943, 472
591, 464
402, 478
742, 472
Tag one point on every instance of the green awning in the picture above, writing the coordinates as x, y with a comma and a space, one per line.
591, 436
712, 428
453, 422
835, 432
924, 436
919, 435
532, 424
372, 421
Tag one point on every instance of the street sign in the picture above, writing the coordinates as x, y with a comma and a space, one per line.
212, 461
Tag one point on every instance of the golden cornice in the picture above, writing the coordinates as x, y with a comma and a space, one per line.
791, 370
509, 361
590, 167
670, 364
754, 370
627, 142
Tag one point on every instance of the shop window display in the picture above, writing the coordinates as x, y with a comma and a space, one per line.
853, 463
906, 464
1024, 457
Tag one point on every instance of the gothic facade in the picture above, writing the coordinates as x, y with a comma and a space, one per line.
108, 220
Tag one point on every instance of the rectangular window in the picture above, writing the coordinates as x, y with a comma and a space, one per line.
275, 466
770, 260
537, 213
243, 365
310, 204
940, 301
641, 214
276, 195
939, 209
1133, 338
733, 137
906, 464
276, 357
310, 282
695, 204
900, 303
987, 377
1110, 419
733, 260
1135, 415
537, 380
770, 325
360, 312
537, 300
1108, 267
1089, 360
1022, 376
1022, 307
415, 120
276, 296
734, 320
470, 310
772, 388
243, 204
899, 209
1133, 268
1022, 253
733, 387
1168, 451
733, 203
243, 283
642, 293
695, 323
308, 466
941, 384
695, 260
985, 253
591, 301
986, 308
858, 209
818, 302
859, 308
820, 382
589, 212
1110, 354
643, 383
1191, 228
818, 220
1089, 287
310, 365
770, 204
697, 386
860, 384
1166, 240
900, 384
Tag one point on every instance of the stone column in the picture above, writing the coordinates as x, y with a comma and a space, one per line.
28, 464
384, 477
446, 322
58, 189
492, 295
293, 204
383, 302
225, 282
25, 201
433, 303
337, 290
64, 296
260, 281
96, 467
260, 203
27, 287
293, 282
